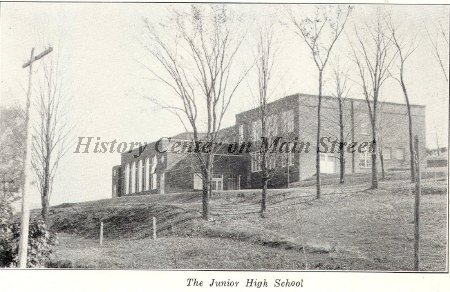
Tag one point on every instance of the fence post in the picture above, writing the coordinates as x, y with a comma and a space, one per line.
417, 206
154, 228
101, 232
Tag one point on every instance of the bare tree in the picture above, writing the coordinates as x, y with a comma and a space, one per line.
196, 51
374, 56
320, 34
12, 143
341, 93
435, 41
264, 62
404, 50
50, 132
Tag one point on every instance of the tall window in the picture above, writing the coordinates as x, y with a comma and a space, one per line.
241, 134
133, 177
287, 119
256, 130
272, 125
364, 128
139, 177
152, 171
256, 161
147, 174
142, 170
127, 178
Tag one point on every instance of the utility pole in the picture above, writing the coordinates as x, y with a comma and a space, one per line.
25, 217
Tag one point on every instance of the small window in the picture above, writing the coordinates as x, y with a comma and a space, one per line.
284, 159
291, 158
400, 153
271, 161
365, 159
287, 159
365, 128
198, 182
289, 121
387, 153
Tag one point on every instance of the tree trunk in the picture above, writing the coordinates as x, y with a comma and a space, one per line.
206, 191
383, 174
318, 137
341, 144
353, 134
264, 175
374, 156
205, 200
45, 208
411, 138
264, 179
263, 197
45, 191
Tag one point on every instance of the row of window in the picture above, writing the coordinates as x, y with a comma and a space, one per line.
365, 160
275, 125
271, 160
140, 175
399, 153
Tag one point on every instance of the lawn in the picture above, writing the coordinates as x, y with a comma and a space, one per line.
349, 228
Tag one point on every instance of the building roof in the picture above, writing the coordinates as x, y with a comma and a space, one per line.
327, 97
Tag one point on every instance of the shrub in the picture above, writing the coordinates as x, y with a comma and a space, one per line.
5, 212
6, 255
40, 244
60, 264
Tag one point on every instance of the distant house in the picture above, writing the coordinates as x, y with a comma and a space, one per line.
294, 118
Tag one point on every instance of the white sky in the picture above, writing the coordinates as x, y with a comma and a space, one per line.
98, 45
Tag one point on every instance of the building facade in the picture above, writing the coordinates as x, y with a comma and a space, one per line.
291, 121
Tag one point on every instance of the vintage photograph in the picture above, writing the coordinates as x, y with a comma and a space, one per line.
224, 136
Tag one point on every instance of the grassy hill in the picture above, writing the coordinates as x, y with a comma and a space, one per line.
351, 227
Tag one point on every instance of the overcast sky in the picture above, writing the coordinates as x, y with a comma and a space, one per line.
99, 48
